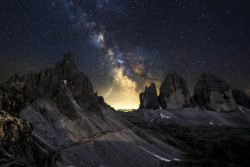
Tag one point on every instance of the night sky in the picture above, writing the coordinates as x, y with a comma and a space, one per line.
123, 45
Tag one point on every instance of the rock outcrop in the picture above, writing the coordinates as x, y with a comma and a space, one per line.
15, 140
213, 93
241, 98
174, 93
11, 100
149, 98
13, 129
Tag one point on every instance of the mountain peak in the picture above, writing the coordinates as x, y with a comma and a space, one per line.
68, 58
67, 66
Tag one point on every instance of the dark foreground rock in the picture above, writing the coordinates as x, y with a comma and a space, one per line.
213, 93
174, 93
149, 98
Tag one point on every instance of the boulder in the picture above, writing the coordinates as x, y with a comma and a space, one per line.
213, 93
174, 93
241, 98
149, 98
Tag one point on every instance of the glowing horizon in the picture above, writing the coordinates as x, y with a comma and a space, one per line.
123, 93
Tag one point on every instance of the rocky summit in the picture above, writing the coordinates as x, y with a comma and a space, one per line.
174, 93
149, 98
213, 93
59, 84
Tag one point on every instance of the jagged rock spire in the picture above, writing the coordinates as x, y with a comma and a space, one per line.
149, 98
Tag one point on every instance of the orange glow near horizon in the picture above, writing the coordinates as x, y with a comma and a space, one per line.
123, 102
122, 93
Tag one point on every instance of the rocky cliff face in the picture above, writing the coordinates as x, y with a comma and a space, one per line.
241, 98
149, 98
174, 93
213, 93
56, 84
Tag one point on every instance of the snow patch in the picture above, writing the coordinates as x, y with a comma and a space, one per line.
177, 159
65, 82
241, 109
75, 103
157, 156
211, 123
164, 116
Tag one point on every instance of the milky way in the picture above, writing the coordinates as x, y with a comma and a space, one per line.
129, 75
125, 45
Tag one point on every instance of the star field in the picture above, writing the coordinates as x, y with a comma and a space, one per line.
125, 45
